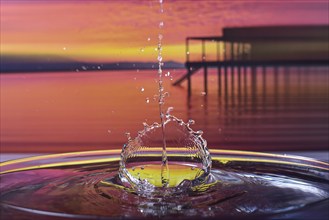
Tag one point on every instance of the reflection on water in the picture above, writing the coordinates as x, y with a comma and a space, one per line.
268, 107
272, 108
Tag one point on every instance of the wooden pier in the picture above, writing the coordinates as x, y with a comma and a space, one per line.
252, 47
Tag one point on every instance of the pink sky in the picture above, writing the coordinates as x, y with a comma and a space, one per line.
127, 30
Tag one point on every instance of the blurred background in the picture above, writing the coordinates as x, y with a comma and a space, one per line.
77, 74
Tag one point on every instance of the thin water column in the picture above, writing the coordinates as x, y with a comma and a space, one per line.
219, 69
189, 71
205, 71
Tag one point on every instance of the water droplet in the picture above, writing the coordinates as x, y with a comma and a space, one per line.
159, 58
142, 49
109, 131
169, 110
148, 39
147, 100
191, 122
160, 38
84, 67
203, 93
99, 67
161, 24
142, 89
188, 52
64, 48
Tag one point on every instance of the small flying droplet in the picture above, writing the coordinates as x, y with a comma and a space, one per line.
142, 89
147, 100
203, 93
109, 131
191, 122
161, 24
148, 39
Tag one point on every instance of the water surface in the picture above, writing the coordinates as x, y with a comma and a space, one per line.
286, 109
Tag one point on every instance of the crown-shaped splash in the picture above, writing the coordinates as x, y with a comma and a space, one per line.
188, 159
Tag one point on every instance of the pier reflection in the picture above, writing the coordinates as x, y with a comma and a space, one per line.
275, 106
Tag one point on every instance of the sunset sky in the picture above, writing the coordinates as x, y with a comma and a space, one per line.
124, 30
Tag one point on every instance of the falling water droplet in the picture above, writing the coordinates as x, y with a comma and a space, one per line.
142, 89
147, 100
161, 24
148, 39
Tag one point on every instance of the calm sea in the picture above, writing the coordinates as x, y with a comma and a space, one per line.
261, 109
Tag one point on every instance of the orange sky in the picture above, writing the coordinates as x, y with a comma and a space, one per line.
96, 30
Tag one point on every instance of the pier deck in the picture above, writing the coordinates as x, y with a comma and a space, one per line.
256, 46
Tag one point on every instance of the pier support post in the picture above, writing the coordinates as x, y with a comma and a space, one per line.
219, 80
225, 83
189, 89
